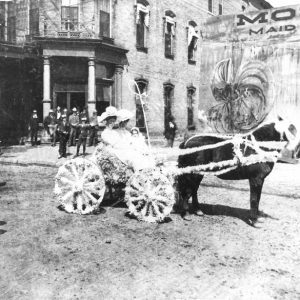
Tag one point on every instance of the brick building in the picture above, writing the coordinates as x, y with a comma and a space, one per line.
87, 53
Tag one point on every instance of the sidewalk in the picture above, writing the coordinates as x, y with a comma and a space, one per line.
46, 155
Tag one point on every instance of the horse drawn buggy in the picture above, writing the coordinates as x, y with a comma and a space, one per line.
152, 193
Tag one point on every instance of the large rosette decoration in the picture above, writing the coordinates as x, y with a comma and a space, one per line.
244, 99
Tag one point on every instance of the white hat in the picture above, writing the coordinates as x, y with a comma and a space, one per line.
51, 110
74, 109
124, 115
110, 111
34, 110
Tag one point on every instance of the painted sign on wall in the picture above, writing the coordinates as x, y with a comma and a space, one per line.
250, 69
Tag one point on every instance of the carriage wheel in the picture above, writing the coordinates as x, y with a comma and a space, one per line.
149, 195
79, 186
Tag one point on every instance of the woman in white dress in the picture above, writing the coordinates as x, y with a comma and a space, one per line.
120, 140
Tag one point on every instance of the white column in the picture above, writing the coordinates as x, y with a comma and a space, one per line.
91, 86
46, 87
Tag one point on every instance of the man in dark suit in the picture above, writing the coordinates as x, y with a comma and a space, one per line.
63, 130
34, 127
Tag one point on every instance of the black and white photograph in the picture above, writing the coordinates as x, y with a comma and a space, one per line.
149, 149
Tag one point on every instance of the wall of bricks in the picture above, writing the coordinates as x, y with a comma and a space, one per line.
153, 66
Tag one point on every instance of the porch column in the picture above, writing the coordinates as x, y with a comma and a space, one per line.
117, 99
91, 86
46, 87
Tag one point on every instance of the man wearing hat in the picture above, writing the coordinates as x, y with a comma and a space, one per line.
58, 114
74, 122
93, 129
34, 127
83, 128
50, 124
63, 130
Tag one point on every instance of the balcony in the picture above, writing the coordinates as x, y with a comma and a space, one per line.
68, 34
67, 29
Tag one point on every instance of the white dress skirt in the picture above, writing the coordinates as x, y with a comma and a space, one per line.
121, 144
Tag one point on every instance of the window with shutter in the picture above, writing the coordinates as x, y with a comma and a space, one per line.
192, 42
142, 25
169, 34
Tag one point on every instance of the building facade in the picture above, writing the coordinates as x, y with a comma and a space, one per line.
73, 53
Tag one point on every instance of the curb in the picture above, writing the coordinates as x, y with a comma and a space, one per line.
27, 164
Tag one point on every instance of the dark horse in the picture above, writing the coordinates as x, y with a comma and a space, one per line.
188, 184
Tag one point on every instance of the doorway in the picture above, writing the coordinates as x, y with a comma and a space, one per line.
70, 100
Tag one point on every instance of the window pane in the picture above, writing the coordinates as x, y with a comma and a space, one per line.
64, 12
2, 21
168, 44
140, 35
140, 30
104, 5
220, 9
34, 21
104, 23
210, 5
74, 13
140, 120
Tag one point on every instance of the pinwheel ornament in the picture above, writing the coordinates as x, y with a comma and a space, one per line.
244, 99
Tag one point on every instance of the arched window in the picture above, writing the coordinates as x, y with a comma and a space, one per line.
142, 88
191, 91
192, 41
169, 33
142, 24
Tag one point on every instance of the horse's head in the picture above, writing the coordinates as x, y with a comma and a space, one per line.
288, 132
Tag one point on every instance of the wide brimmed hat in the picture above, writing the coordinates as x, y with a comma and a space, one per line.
135, 129
110, 111
124, 115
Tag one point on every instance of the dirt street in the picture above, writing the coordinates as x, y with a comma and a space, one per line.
49, 254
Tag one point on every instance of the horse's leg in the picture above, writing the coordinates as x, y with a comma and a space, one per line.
184, 191
196, 208
256, 185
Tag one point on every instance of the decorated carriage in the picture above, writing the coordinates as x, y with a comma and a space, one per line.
243, 103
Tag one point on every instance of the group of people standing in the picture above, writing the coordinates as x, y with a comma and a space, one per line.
71, 129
